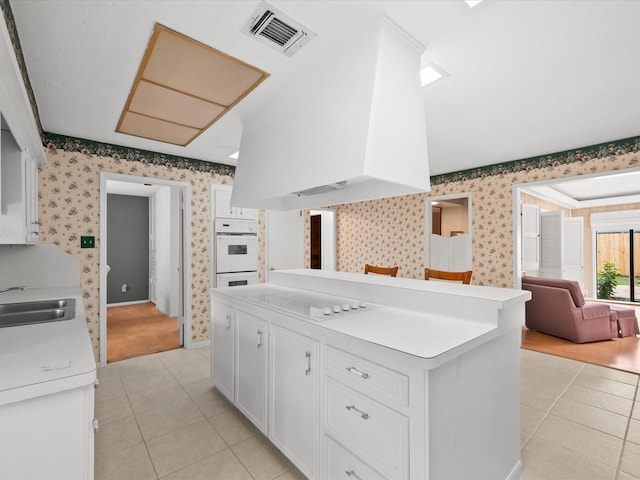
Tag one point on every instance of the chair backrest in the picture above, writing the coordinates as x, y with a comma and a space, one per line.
464, 277
391, 271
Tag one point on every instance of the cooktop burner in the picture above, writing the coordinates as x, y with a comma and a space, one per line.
315, 305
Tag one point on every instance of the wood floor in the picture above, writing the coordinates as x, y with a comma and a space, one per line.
618, 353
136, 330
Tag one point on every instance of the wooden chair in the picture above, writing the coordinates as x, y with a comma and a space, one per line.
464, 277
391, 271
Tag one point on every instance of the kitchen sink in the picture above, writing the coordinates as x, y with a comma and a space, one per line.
40, 311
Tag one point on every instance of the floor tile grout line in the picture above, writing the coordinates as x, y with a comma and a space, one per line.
135, 418
626, 432
547, 412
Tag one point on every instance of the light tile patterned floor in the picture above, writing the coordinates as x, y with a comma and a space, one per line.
161, 420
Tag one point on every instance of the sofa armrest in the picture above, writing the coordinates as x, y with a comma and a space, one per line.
595, 310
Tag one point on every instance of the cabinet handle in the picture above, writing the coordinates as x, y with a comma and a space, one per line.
95, 425
358, 372
259, 338
228, 322
352, 473
96, 384
363, 415
307, 355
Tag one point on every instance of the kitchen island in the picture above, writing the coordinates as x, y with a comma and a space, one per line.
364, 376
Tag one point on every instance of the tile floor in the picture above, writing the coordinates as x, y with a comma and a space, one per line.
161, 419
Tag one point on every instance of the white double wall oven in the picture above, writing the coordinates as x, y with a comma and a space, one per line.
235, 241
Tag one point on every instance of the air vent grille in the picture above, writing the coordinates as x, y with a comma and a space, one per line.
321, 189
279, 32
275, 29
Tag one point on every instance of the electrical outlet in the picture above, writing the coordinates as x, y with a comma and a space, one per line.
88, 242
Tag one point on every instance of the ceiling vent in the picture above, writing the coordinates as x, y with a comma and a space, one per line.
321, 189
273, 28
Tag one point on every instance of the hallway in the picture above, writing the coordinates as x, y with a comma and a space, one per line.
140, 329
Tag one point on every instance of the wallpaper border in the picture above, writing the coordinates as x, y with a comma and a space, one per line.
53, 141
578, 155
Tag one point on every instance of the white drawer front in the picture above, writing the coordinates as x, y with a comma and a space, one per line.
344, 465
380, 382
377, 434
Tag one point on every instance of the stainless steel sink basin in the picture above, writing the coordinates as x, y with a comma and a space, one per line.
40, 311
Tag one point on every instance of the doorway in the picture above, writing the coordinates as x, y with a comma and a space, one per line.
322, 239
159, 303
284, 239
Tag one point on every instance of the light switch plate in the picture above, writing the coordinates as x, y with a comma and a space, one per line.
87, 241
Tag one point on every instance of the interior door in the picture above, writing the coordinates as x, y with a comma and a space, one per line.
573, 249
551, 226
284, 240
530, 239
328, 220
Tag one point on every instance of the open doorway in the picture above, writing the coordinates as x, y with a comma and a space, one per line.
557, 227
322, 239
143, 265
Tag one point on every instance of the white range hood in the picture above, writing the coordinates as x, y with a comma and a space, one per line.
348, 131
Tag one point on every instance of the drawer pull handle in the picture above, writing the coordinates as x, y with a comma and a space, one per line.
228, 322
363, 415
352, 473
358, 372
259, 338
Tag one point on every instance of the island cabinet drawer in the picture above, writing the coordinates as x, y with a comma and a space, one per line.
344, 465
371, 378
372, 431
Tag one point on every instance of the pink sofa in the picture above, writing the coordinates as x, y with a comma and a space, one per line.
557, 307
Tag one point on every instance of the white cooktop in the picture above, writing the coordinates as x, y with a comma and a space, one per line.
317, 306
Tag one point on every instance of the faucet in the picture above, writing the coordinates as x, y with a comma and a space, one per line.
12, 288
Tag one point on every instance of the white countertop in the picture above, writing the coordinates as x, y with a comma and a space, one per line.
45, 358
419, 332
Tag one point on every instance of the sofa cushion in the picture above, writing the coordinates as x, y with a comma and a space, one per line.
572, 286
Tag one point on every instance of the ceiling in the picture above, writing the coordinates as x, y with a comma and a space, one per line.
525, 78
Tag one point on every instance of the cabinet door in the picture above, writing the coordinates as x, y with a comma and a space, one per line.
31, 187
223, 203
251, 368
294, 396
222, 367
247, 213
12, 191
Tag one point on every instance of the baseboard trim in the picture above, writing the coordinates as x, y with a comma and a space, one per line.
124, 304
200, 344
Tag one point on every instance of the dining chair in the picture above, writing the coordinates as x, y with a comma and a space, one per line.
464, 277
391, 271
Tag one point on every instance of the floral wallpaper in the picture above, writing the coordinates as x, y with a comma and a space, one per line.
390, 231
69, 206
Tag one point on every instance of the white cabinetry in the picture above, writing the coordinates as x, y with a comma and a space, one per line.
51, 436
362, 414
222, 343
223, 208
251, 368
18, 193
294, 396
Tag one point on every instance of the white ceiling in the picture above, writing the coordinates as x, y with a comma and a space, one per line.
526, 78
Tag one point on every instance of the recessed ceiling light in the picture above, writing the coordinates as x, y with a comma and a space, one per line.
473, 3
431, 73
234, 155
